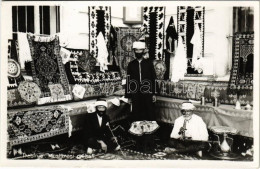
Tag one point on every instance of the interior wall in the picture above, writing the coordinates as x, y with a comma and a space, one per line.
218, 25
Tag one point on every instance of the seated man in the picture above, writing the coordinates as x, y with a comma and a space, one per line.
189, 133
97, 132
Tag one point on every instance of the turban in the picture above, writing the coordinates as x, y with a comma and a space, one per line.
187, 106
101, 102
138, 45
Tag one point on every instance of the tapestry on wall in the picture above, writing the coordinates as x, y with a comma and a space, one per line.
47, 67
241, 79
99, 21
32, 125
154, 18
188, 18
125, 53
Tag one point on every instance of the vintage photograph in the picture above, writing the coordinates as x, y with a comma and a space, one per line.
129, 82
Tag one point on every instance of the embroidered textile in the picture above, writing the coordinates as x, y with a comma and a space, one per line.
241, 79
14, 99
47, 67
77, 75
29, 91
14, 68
125, 53
57, 93
195, 90
32, 125
99, 20
143, 127
94, 90
154, 24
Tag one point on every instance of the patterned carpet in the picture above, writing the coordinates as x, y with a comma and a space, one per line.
132, 148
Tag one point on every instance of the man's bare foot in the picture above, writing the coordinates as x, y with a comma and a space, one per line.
169, 150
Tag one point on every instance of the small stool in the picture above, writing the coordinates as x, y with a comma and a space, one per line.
226, 151
144, 130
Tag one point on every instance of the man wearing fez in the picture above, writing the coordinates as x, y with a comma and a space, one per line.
189, 133
140, 85
97, 132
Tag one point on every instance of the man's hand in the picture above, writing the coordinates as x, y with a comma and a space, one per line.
182, 130
103, 145
154, 98
114, 139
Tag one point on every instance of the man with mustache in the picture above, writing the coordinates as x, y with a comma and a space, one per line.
97, 132
189, 134
140, 85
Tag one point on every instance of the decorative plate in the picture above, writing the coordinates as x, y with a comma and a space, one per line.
29, 91
13, 68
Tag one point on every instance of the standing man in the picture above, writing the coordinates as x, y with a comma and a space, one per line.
140, 85
189, 133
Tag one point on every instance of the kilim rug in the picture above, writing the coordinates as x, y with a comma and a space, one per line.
99, 20
32, 125
47, 67
154, 24
241, 79
125, 53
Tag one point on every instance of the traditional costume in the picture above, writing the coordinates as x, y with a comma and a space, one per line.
140, 86
97, 129
190, 133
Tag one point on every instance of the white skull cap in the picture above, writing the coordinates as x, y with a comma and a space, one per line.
138, 45
187, 106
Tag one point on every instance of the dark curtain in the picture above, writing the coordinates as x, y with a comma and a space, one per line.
243, 19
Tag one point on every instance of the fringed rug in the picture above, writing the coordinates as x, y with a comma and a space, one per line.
47, 67
32, 125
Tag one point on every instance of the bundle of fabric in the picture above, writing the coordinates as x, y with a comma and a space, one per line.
47, 68
241, 79
31, 125
126, 37
99, 21
154, 24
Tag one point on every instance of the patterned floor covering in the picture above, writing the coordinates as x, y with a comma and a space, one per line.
62, 148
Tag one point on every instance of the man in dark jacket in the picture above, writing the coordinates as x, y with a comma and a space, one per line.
97, 132
140, 85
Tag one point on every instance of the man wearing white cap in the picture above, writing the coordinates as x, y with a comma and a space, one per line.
140, 85
189, 133
97, 133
